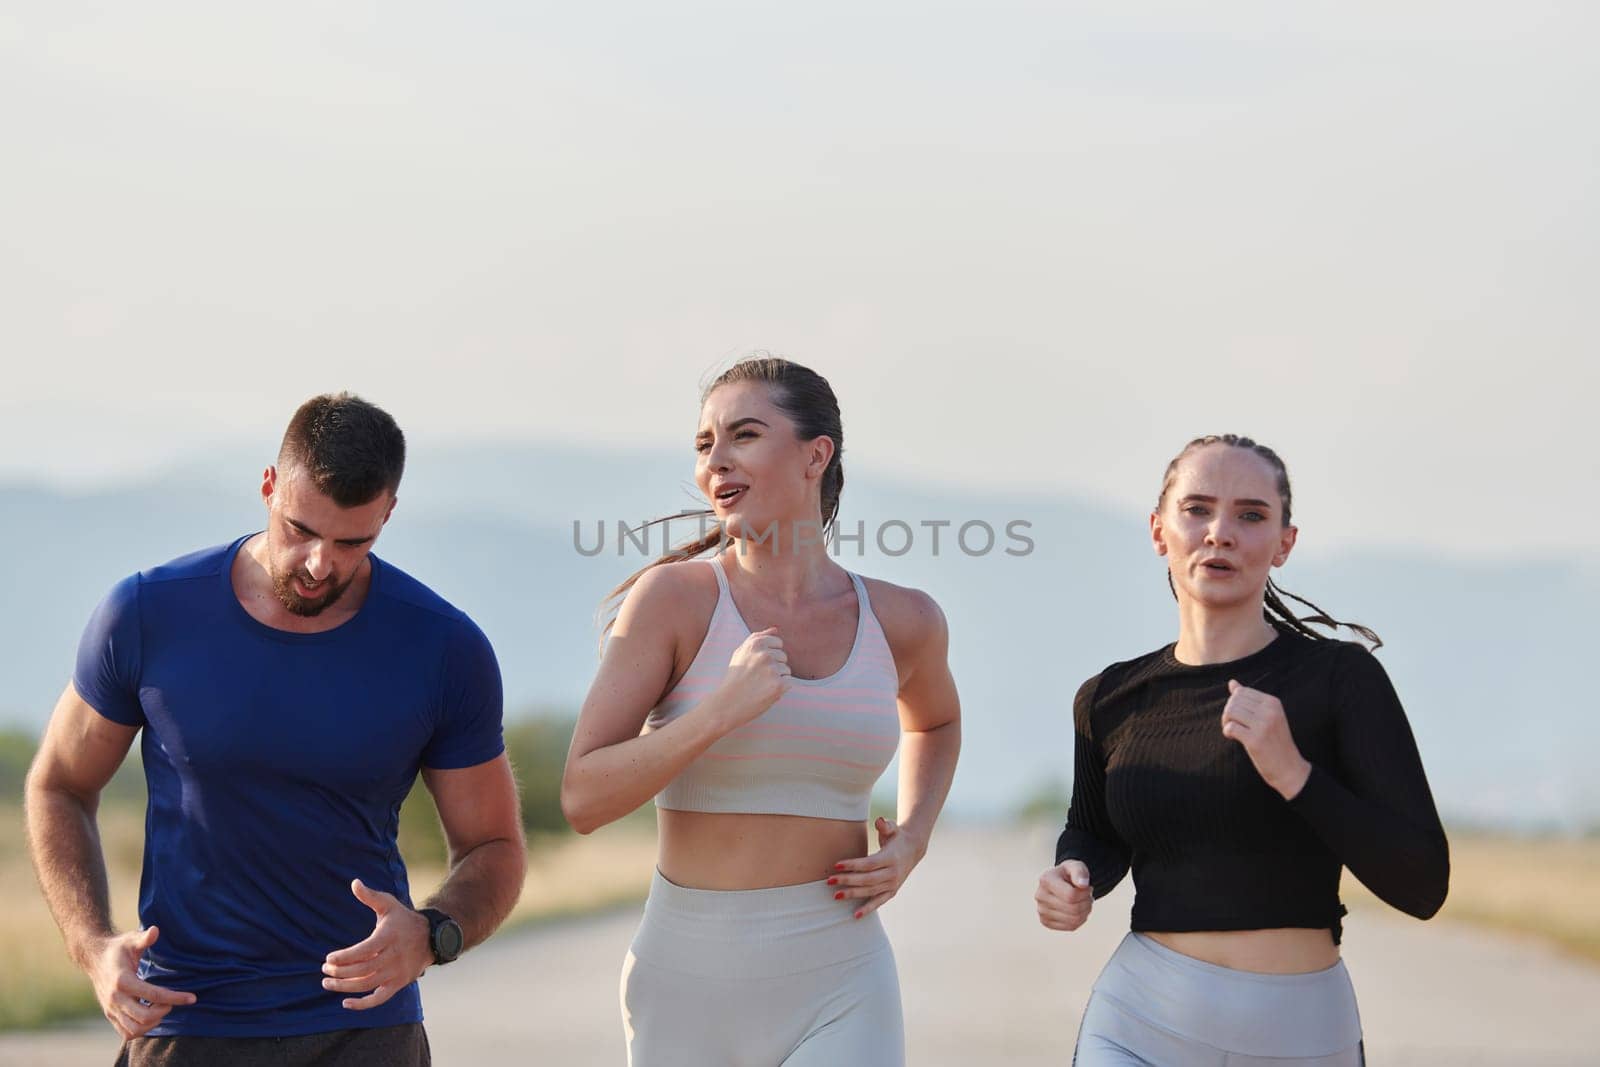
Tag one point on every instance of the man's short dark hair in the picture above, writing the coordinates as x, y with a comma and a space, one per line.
350, 449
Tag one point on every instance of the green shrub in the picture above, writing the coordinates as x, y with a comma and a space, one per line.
538, 750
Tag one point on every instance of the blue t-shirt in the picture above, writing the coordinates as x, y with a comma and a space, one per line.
276, 765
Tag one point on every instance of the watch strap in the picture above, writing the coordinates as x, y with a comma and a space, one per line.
436, 920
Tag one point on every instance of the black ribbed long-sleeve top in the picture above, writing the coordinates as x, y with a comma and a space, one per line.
1212, 847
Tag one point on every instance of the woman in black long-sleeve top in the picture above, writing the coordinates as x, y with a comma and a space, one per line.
1236, 771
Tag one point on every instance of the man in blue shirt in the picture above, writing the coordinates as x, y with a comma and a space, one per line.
288, 686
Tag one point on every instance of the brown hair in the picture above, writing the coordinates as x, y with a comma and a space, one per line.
807, 399
1273, 606
350, 449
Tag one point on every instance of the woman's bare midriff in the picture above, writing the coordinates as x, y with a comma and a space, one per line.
720, 850
1277, 951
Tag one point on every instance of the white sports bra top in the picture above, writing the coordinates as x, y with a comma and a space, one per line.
815, 752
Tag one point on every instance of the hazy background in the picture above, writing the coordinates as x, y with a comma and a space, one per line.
1035, 247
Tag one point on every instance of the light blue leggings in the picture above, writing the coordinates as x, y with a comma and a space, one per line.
1153, 1007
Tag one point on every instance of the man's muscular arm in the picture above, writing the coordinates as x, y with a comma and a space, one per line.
80, 752
488, 857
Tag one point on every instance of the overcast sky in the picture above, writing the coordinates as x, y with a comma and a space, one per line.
1032, 245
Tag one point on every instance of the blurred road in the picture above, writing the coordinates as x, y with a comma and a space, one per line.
985, 984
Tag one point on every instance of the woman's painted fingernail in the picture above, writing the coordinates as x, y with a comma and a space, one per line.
833, 881
838, 866
839, 895
858, 914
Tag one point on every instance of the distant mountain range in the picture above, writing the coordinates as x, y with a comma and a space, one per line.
1488, 657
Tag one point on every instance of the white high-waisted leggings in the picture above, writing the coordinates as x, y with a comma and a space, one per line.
760, 978
1154, 1006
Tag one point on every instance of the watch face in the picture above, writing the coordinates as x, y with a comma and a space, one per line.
449, 939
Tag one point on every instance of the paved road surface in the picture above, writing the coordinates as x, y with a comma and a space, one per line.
985, 985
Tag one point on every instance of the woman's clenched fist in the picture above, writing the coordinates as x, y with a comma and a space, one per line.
758, 675
1256, 720
1064, 896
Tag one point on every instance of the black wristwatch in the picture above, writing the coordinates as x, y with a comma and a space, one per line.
444, 935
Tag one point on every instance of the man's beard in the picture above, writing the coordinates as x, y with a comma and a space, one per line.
283, 586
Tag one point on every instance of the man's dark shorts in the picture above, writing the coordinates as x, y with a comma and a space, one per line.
378, 1046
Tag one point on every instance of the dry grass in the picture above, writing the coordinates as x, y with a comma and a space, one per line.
40, 986
1546, 887
571, 875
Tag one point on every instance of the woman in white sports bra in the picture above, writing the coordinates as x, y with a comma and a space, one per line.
757, 695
